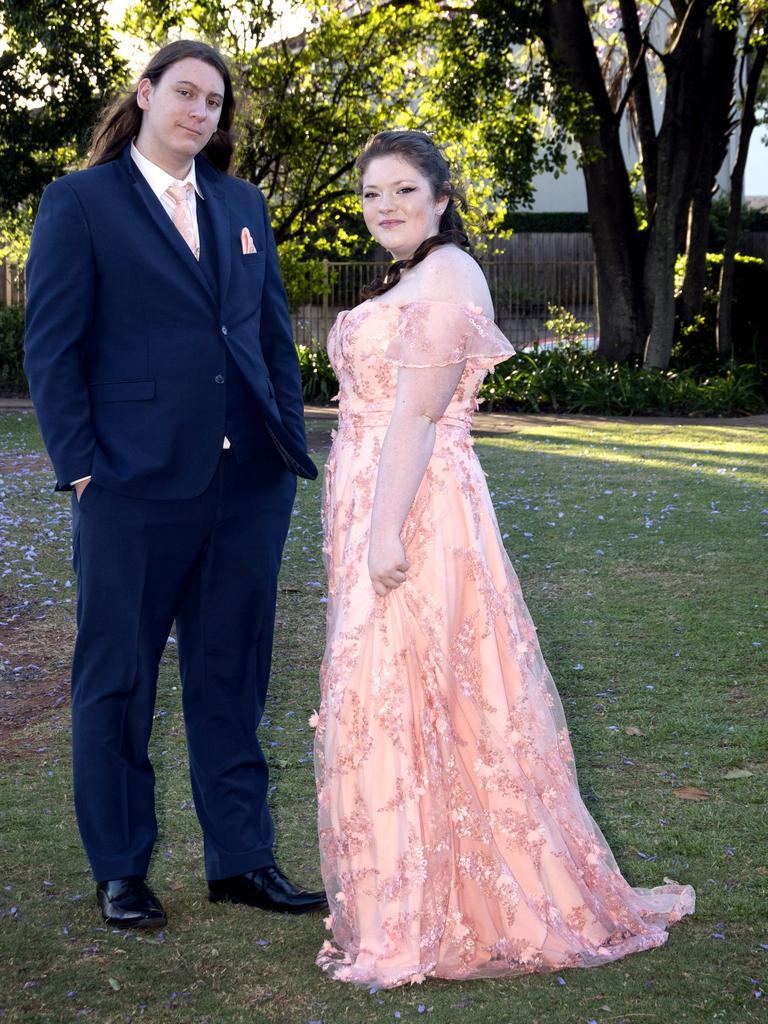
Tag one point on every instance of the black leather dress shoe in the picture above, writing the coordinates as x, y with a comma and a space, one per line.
129, 903
268, 889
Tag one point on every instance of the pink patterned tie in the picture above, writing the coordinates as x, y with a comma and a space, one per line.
182, 216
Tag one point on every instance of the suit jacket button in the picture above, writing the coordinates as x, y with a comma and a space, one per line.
224, 331
219, 379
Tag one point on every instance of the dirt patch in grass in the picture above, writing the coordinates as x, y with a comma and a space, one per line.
319, 436
35, 650
20, 461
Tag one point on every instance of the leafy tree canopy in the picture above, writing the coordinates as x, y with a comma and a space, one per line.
58, 63
665, 67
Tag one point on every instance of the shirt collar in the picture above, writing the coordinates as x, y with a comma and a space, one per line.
158, 179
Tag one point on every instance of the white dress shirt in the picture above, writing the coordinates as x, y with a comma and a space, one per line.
159, 180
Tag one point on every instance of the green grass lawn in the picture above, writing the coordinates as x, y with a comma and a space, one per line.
642, 551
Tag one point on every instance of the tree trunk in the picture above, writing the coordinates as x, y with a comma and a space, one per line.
659, 280
692, 296
725, 298
679, 146
617, 244
719, 66
646, 127
618, 258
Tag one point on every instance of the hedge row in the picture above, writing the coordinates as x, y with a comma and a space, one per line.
12, 379
529, 221
569, 380
552, 380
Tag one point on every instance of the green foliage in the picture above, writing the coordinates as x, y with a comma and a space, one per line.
751, 220
308, 110
58, 62
565, 327
569, 380
238, 25
318, 381
302, 277
639, 200
16, 232
695, 342
12, 379
490, 73
570, 63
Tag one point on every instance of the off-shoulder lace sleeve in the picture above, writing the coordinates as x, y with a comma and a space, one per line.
434, 333
333, 334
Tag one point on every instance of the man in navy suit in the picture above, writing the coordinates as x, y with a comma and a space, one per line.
161, 364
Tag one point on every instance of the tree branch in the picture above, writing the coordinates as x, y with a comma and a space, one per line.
688, 30
637, 47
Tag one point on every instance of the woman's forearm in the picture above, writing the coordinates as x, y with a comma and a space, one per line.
405, 454
423, 395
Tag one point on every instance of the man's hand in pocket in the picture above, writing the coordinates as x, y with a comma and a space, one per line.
80, 487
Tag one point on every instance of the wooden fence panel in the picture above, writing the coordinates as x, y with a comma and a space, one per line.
11, 284
756, 244
544, 247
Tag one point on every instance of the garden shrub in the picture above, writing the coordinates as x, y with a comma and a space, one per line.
302, 277
318, 381
567, 379
696, 341
12, 379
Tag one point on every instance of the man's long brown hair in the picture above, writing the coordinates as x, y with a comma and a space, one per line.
121, 121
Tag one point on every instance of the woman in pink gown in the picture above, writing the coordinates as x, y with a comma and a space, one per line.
454, 841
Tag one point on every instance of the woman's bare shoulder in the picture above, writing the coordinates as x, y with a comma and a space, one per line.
450, 273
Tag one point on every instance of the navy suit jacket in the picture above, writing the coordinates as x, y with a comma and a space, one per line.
127, 345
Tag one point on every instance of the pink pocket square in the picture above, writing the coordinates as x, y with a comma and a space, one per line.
246, 241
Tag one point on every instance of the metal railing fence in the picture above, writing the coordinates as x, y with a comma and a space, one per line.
524, 291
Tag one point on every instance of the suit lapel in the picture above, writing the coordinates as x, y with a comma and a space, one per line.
218, 210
